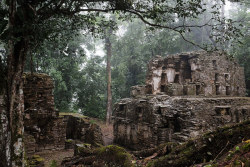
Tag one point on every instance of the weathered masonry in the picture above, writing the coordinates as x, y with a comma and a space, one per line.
199, 73
44, 128
184, 96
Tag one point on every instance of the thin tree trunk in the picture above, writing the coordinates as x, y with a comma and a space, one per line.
223, 44
109, 93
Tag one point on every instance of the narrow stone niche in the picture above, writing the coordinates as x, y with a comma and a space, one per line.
217, 87
198, 89
214, 64
177, 78
216, 78
226, 77
228, 90
121, 107
162, 88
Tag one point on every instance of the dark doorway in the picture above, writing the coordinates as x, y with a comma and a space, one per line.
228, 91
226, 77
216, 78
185, 90
217, 89
198, 89
177, 78
214, 64
162, 88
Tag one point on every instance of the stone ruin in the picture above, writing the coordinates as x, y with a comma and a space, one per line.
193, 74
41, 120
185, 95
44, 128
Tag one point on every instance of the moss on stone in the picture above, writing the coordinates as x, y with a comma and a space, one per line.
69, 141
34, 161
37, 158
115, 156
84, 149
77, 115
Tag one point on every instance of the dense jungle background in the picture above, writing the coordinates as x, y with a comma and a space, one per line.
77, 60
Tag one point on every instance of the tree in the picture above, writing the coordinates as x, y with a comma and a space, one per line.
62, 61
91, 88
25, 24
108, 47
242, 50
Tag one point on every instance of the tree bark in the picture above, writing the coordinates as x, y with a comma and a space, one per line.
223, 43
12, 107
109, 92
15, 100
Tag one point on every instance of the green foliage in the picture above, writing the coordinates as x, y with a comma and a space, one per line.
92, 121
62, 62
53, 163
80, 83
92, 87
237, 148
242, 50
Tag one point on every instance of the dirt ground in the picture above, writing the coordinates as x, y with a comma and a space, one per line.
57, 155
107, 131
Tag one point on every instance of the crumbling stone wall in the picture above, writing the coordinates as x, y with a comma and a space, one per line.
43, 127
80, 128
153, 120
195, 73
185, 95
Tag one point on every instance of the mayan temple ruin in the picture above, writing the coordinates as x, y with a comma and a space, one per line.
185, 95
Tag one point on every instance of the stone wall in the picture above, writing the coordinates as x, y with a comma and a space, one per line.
185, 95
44, 130
195, 73
153, 120
81, 129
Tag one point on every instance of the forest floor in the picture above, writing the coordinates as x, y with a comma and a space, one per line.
56, 156
107, 133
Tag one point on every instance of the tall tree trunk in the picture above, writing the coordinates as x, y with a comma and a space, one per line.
223, 43
15, 100
12, 109
109, 93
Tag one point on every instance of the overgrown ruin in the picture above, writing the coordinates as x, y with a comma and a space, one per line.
185, 95
44, 128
